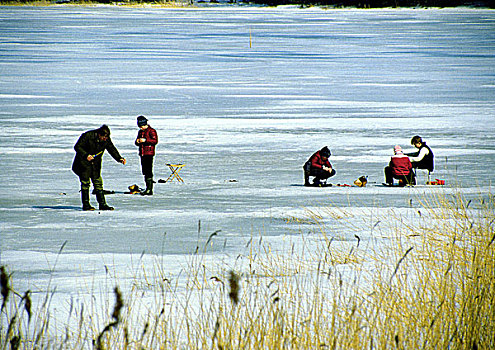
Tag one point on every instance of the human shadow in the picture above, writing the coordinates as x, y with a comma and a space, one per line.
56, 207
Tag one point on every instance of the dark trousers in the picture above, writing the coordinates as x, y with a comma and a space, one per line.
408, 179
86, 183
319, 174
147, 166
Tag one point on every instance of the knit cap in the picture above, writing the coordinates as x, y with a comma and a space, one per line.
398, 149
325, 152
141, 121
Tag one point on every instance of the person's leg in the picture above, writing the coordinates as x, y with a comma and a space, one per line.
320, 175
307, 170
389, 177
147, 169
85, 184
411, 179
97, 183
306, 178
100, 196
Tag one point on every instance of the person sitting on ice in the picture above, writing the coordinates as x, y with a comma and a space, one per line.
423, 157
400, 168
318, 166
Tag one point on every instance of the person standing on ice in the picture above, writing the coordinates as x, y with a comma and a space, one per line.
146, 140
423, 157
318, 166
87, 164
400, 168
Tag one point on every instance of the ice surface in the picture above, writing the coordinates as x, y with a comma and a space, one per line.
242, 118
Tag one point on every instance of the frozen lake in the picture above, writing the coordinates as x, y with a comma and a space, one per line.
242, 96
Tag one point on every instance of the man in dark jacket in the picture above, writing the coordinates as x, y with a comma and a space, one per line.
87, 163
146, 140
318, 166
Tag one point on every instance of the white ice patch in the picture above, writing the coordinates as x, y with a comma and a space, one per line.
385, 84
11, 96
35, 150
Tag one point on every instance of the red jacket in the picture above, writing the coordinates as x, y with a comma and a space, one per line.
147, 148
400, 164
317, 162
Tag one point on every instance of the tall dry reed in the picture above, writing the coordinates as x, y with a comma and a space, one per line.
423, 279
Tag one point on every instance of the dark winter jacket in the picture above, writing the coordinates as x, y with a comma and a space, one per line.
400, 164
147, 148
316, 162
90, 144
427, 162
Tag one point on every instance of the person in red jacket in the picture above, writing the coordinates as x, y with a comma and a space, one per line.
146, 140
400, 168
318, 166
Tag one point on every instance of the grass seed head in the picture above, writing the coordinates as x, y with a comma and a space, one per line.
27, 304
4, 282
234, 287
15, 342
118, 304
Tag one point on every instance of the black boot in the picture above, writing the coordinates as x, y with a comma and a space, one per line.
101, 201
317, 182
306, 178
85, 200
149, 187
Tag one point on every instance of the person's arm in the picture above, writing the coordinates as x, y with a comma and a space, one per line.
420, 155
152, 137
327, 166
148, 138
315, 161
81, 145
138, 139
112, 150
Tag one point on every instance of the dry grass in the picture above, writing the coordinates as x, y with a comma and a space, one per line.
428, 285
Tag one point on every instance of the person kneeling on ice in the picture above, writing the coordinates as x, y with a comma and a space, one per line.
146, 140
400, 168
87, 164
318, 166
